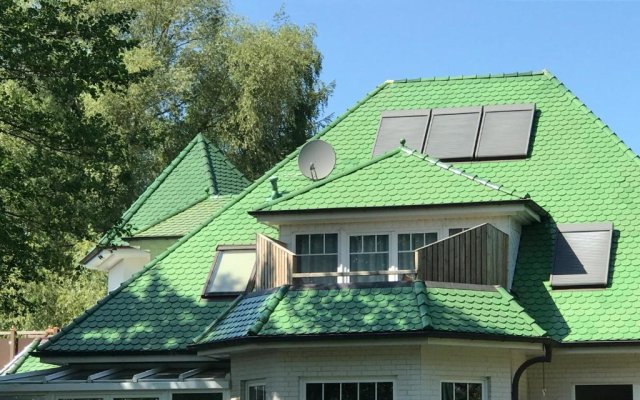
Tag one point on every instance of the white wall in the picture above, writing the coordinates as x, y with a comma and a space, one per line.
417, 371
567, 370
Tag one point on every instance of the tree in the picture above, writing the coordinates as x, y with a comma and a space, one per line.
59, 176
255, 91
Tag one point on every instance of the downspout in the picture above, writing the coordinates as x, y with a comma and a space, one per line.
516, 377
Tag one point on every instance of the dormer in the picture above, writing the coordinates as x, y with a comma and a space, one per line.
399, 216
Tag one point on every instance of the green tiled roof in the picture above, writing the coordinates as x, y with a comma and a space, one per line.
24, 362
577, 171
401, 177
392, 308
184, 221
198, 172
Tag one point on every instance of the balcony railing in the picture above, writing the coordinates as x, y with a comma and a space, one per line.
274, 263
476, 256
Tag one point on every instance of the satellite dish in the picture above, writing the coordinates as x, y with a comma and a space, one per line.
316, 159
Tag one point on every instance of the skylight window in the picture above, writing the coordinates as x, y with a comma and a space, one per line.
582, 255
463, 133
231, 270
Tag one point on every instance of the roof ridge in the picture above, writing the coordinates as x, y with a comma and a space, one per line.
269, 307
323, 182
219, 319
20, 358
515, 306
458, 171
420, 290
468, 77
626, 149
205, 223
213, 188
210, 145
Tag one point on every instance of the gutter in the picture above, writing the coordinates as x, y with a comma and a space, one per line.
516, 377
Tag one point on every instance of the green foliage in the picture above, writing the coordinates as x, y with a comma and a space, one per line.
58, 182
57, 299
253, 90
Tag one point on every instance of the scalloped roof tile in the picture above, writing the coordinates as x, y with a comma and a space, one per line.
577, 170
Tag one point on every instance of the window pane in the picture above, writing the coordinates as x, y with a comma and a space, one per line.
454, 231
317, 244
447, 391
355, 244
475, 391
331, 243
460, 390
262, 393
385, 391
417, 240
318, 263
302, 244
349, 391
196, 396
369, 243
430, 238
406, 260
404, 242
331, 391
382, 242
314, 391
367, 391
253, 394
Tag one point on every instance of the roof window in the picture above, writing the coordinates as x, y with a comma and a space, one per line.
581, 256
231, 271
463, 133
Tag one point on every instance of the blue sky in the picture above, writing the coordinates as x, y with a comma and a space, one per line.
593, 47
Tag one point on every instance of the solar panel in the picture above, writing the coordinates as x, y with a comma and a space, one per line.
410, 125
582, 255
452, 133
505, 131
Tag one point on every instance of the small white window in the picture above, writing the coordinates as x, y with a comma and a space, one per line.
462, 391
368, 253
256, 391
231, 270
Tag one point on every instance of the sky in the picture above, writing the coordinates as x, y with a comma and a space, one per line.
593, 47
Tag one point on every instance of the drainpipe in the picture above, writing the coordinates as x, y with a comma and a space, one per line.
516, 377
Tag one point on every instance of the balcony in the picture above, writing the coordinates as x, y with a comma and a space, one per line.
475, 256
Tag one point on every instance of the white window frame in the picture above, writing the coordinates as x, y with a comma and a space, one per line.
359, 379
253, 383
320, 232
485, 382
392, 265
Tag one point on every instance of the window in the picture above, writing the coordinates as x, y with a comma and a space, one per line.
317, 253
408, 242
196, 396
462, 391
599, 392
231, 270
349, 391
463, 133
582, 255
368, 253
256, 391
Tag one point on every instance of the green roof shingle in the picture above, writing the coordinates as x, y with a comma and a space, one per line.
577, 171
391, 308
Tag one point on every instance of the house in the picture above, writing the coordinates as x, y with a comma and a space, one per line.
469, 237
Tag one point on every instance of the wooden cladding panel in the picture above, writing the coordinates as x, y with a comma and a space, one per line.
274, 263
476, 256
